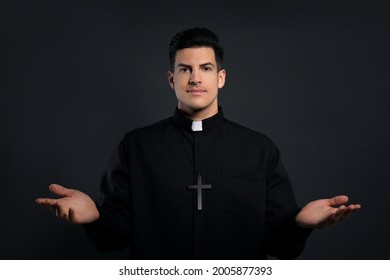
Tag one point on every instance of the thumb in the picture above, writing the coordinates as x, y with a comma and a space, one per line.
338, 200
60, 190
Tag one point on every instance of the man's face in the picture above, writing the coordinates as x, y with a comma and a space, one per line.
196, 80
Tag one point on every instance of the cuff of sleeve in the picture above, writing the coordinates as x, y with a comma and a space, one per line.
299, 232
99, 223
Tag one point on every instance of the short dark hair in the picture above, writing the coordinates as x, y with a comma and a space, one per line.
196, 37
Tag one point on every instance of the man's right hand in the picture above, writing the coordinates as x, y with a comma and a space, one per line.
74, 206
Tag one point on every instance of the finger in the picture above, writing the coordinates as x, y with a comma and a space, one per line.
344, 215
334, 218
341, 212
52, 208
62, 213
338, 200
46, 201
350, 209
355, 206
328, 220
71, 217
55, 210
60, 190
50, 203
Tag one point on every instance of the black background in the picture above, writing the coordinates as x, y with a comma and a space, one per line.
75, 76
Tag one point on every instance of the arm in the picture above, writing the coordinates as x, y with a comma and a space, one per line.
284, 238
106, 222
78, 208
111, 231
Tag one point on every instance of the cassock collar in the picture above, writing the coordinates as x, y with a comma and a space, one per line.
207, 124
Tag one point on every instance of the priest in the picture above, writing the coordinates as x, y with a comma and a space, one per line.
197, 185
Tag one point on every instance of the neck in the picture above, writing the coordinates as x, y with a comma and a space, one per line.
199, 115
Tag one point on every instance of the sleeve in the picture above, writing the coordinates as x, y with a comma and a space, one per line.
111, 231
284, 238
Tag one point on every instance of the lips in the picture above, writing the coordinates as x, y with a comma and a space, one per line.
196, 91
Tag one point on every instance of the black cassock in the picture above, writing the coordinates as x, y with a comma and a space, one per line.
220, 193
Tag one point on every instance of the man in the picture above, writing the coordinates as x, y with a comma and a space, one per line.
197, 185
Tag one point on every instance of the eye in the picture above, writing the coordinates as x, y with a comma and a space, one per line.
207, 68
184, 69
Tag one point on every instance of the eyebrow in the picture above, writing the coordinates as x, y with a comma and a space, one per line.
189, 66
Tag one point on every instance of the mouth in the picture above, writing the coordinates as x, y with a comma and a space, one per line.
196, 91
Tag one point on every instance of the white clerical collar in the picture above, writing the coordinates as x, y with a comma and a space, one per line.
197, 126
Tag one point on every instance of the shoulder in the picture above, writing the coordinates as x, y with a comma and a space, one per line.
148, 130
244, 142
240, 131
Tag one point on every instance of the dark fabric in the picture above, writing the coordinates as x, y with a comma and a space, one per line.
247, 214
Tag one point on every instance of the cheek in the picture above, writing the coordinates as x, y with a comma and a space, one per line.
179, 86
180, 82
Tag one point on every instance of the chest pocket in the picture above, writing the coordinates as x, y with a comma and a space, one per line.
243, 191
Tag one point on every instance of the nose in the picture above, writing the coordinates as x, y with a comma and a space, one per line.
195, 78
193, 83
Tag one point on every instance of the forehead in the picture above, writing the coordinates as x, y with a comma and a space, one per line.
195, 56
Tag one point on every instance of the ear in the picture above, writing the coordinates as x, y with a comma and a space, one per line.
170, 80
221, 78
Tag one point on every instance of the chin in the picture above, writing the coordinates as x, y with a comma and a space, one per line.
198, 107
